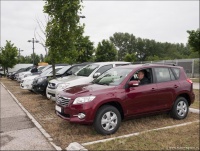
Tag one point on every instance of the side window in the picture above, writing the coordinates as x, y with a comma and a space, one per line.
144, 76
162, 74
104, 68
172, 75
177, 72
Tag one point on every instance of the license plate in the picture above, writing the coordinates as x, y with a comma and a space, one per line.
58, 108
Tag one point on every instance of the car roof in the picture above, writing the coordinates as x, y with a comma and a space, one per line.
147, 65
114, 62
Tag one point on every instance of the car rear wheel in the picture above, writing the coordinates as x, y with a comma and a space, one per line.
107, 120
180, 108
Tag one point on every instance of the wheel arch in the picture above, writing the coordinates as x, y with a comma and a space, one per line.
186, 96
116, 104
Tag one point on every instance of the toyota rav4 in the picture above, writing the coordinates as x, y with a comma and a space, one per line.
117, 94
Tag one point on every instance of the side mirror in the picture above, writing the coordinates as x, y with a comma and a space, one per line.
96, 75
133, 83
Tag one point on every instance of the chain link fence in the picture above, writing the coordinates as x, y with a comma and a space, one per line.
191, 66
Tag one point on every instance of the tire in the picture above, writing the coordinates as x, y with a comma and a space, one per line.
180, 109
107, 120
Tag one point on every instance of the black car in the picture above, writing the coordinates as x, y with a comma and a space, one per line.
12, 76
40, 83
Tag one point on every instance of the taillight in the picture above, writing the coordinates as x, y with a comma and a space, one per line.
190, 81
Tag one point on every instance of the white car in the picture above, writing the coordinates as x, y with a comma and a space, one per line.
26, 83
83, 76
22, 75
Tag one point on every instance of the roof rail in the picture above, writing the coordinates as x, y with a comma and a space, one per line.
171, 64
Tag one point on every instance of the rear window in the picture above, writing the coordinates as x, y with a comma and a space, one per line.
177, 72
162, 74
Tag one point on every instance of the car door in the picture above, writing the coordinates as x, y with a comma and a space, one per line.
167, 85
141, 99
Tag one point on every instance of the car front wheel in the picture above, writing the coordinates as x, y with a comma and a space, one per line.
107, 120
180, 108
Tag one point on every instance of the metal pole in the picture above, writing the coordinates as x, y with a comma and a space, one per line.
33, 53
192, 68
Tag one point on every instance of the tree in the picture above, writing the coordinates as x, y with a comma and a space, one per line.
194, 39
85, 49
124, 43
42, 37
41, 58
63, 30
130, 57
106, 51
8, 56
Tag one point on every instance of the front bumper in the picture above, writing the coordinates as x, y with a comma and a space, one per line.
70, 113
27, 85
51, 94
40, 87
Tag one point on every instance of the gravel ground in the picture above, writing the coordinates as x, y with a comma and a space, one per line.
64, 133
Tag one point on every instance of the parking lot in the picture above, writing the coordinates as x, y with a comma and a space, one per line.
63, 133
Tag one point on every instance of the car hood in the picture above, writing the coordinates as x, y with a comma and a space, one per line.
90, 89
30, 77
75, 80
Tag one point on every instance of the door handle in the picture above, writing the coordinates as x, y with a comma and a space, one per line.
175, 86
152, 89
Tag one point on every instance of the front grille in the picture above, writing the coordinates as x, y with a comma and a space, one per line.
52, 94
65, 115
63, 101
35, 81
51, 85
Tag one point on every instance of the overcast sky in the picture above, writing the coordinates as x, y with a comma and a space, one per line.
164, 21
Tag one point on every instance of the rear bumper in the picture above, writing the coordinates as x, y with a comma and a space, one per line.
192, 98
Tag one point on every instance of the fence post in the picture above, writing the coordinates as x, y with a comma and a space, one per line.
192, 68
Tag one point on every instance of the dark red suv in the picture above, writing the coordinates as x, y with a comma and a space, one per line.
127, 91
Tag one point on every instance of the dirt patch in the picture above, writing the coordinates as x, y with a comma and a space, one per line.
63, 132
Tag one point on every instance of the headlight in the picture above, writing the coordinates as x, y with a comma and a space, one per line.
82, 100
62, 86
26, 75
41, 79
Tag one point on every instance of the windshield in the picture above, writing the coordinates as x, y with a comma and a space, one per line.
57, 69
40, 68
49, 71
113, 76
86, 71
47, 67
63, 70
74, 69
46, 72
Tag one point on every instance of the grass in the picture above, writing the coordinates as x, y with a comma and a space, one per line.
179, 138
195, 80
64, 133
196, 103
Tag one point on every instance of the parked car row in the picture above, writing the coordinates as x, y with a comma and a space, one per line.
105, 93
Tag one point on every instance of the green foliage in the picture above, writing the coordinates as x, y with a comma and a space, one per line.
29, 59
130, 57
194, 40
63, 30
124, 43
106, 51
147, 50
8, 55
85, 49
